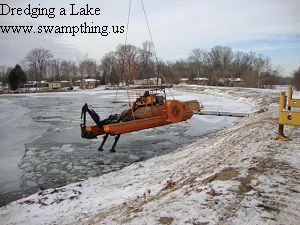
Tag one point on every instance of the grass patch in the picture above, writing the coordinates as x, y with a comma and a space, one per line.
225, 174
166, 220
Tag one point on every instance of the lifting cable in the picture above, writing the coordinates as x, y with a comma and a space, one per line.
151, 42
126, 38
113, 107
155, 55
125, 56
125, 46
154, 51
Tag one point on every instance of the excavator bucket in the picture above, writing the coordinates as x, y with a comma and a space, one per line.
90, 132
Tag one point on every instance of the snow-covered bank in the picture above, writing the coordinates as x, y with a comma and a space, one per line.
237, 176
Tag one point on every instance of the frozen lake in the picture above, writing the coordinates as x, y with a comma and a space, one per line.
41, 146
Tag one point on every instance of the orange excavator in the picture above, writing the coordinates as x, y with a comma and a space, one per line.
149, 110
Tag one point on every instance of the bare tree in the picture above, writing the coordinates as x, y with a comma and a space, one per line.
54, 69
74, 71
247, 69
296, 79
197, 60
109, 67
220, 57
38, 59
219, 60
145, 60
66, 68
88, 68
2, 72
262, 68
127, 57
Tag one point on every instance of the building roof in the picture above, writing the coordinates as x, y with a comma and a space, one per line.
89, 80
231, 79
153, 78
238, 79
200, 78
31, 82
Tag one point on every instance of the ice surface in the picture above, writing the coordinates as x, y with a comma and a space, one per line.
16, 129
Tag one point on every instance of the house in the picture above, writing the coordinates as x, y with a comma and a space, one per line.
30, 84
153, 81
238, 82
77, 83
196, 80
65, 83
149, 81
139, 81
232, 82
54, 85
43, 84
200, 80
88, 83
184, 80
34, 84
5, 86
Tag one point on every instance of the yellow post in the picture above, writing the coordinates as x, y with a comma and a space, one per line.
282, 105
295, 103
287, 117
282, 101
289, 97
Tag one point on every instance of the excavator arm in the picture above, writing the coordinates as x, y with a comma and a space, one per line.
89, 132
91, 112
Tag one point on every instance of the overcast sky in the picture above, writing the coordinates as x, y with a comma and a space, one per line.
270, 27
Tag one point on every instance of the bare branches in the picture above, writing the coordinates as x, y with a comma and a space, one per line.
296, 79
38, 59
88, 68
128, 62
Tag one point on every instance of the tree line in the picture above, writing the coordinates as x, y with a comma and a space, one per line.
129, 62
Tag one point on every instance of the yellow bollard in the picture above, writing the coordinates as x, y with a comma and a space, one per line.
282, 105
292, 103
287, 117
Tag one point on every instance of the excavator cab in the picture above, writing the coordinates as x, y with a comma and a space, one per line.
149, 99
